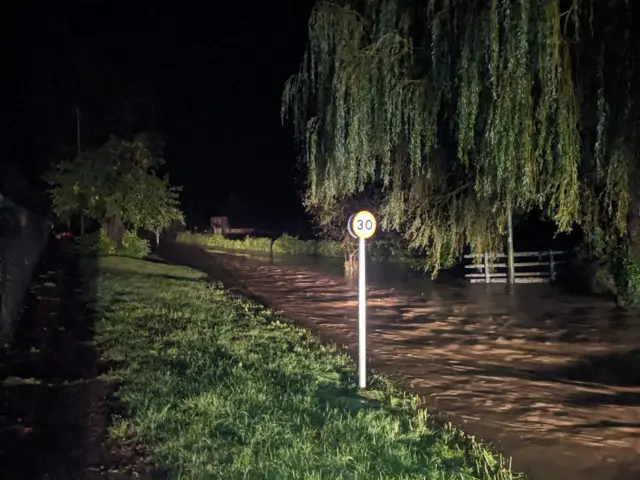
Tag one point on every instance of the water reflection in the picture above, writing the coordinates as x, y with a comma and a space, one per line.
537, 305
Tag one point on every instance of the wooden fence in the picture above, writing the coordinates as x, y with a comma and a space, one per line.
542, 267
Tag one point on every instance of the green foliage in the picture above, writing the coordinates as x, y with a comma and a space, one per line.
99, 243
72, 192
219, 387
466, 111
626, 275
134, 246
284, 244
218, 241
294, 246
608, 266
117, 181
255, 244
631, 292
328, 248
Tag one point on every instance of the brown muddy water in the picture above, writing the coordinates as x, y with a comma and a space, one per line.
549, 378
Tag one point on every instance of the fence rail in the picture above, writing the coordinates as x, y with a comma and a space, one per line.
486, 271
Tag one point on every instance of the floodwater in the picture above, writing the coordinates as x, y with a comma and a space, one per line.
551, 379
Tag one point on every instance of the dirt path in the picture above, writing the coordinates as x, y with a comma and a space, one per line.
54, 406
557, 388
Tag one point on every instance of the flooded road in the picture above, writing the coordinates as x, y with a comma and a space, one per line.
551, 379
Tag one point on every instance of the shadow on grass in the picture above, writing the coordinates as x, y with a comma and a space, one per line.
56, 406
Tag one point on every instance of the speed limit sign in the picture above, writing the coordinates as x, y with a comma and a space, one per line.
363, 224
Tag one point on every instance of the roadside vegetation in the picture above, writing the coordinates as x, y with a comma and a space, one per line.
99, 243
284, 244
117, 186
291, 245
215, 386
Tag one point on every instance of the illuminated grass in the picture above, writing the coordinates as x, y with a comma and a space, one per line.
219, 387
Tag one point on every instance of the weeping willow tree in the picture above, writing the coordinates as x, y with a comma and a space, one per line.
465, 112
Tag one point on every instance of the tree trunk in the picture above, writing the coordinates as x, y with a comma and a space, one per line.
351, 263
115, 230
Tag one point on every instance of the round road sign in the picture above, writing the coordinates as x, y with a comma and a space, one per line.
350, 226
363, 224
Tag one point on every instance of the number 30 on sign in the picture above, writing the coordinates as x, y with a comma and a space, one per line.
362, 225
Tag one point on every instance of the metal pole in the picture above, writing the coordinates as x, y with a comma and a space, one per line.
362, 315
487, 275
510, 262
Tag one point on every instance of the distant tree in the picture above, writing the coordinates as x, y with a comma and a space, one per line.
117, 186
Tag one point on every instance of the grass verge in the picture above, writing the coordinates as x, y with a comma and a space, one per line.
216, 386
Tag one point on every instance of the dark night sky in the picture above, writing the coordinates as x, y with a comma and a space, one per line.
213, 72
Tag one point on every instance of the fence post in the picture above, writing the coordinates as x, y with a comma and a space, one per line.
510, 257
487, 278
552, 270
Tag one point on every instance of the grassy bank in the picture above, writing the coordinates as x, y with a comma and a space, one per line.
284, 244
216, 386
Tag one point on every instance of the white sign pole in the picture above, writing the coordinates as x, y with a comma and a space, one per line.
362, 313
362, 225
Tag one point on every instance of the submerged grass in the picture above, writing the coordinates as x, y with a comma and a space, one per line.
216, 386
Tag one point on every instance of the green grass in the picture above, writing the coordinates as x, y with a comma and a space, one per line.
216, 386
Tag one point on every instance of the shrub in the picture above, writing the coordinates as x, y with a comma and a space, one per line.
285, 244
606, 265
133, 246
329, 248
255, 244
97, 243
294, 246
631, 292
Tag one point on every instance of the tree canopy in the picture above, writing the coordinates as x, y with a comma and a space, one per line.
117, 181
466, 111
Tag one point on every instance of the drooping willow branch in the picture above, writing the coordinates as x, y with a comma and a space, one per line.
429, 97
